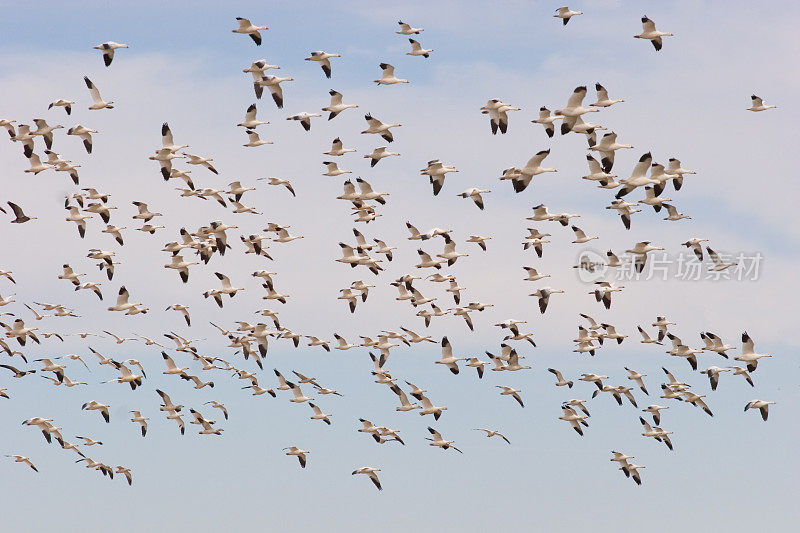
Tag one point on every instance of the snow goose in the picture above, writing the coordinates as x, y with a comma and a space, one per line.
543, 295
97, 100
611, 333
596, 172
324, 60
761, 405
697, 401
681, 350
19, 215
24, 136
405, 405
620, 458
646, 339
144, 212
406, 29
522, 178
377, 127
580, 236
449, 254
24, 460
37, 165
246, 27
719, 264
547, 120
141, 420
714, 344
281, 182
427, 406
7, 274
387, 76
415, 337
436, 172
337, 148
167, 141
182, 266
739, 371
578, 125
97, 406
574, 107
498, 114
657, 433
122, 301
673, 215
655, 410
336, 106
480, 240
363, 288
417, 50
493, 433
448, 359
333, 169
632, 470
455, 290
370, 473
349, 296
250, 122
172, 368
674, 168
378, 154
748, 353
574, 419
662, 323
66, 104
257, 68
602, 97
427, 262
114, 231
565, 13
560, 381
533, 274
652, 200
607, 146
108, 50
713, 375
85, 134
638, 177
164, 157
253, 139
149, 228
297, 452
514, 393
298, 397
477, 364
318, 414
758, 104
640, 250
304, 118
45, 130
636, 377
182, 309
440, 442
9, 125
593, 378
650, 33
604, 290
274, 85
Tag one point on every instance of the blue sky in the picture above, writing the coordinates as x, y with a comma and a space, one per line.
184, 66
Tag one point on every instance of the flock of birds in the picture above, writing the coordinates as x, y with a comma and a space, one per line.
202, 245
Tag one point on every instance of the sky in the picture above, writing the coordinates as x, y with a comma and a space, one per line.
185, 66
